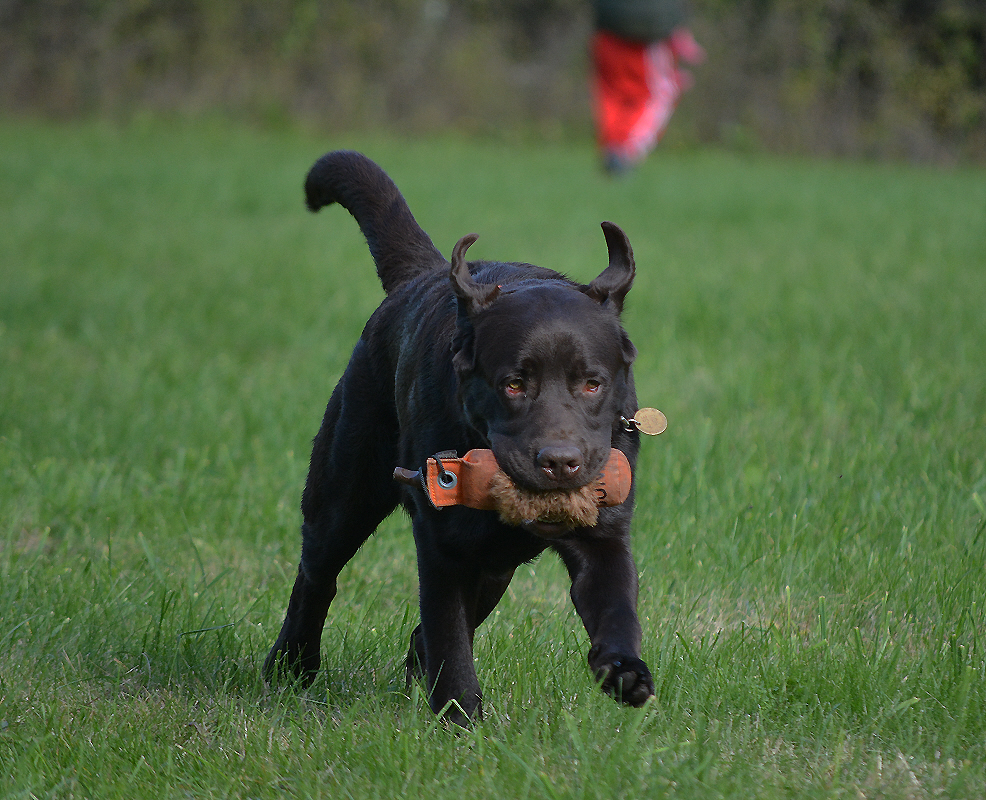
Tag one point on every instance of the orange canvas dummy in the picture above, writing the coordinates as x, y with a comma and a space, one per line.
466, 481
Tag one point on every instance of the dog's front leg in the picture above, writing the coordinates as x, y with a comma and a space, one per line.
491, 589
445, 637
604, 591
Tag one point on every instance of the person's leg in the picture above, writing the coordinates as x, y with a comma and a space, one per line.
663, 90
620, 94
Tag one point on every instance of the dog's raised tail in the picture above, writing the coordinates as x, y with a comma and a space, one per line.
400, 248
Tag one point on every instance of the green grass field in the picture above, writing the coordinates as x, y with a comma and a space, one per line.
810, 532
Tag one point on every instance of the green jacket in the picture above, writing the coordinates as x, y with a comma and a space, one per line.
641, 20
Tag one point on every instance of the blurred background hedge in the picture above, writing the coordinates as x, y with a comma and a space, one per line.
871, 78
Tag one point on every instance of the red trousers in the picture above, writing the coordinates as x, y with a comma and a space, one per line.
636, 88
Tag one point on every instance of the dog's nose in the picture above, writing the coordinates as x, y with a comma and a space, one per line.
560, 463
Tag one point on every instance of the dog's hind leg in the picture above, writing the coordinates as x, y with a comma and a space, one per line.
348, 493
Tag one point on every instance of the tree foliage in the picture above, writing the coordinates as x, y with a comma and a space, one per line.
858, 77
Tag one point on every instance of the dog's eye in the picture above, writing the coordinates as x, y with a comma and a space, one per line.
591, 386
514, 388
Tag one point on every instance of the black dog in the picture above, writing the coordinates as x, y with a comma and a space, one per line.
505, 356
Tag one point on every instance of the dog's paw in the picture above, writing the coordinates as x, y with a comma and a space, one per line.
625, 678
285, 666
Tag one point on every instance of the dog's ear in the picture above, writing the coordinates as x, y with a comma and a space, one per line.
472, 296
615, 281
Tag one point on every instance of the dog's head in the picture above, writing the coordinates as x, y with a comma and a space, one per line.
544, 367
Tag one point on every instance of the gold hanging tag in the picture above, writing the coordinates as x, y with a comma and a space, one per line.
649, 421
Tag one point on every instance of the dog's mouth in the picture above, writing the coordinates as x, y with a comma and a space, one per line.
549, 513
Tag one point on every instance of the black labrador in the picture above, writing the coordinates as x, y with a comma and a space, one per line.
506, 356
